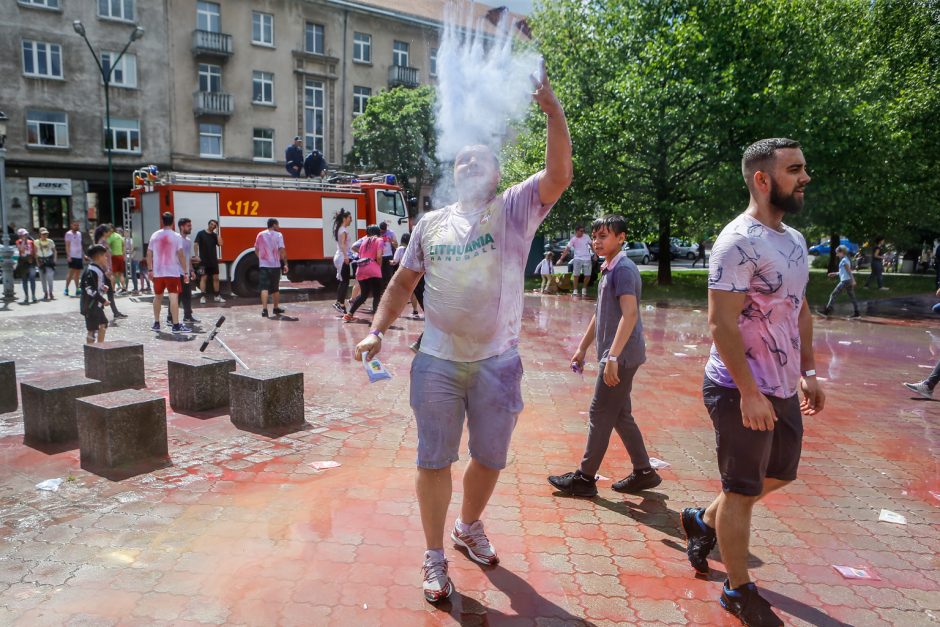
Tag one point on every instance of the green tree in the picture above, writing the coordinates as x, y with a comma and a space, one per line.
396, 134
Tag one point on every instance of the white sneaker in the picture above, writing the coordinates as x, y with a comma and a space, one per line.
219, 299
920, 388
437, 585
202, 301
475, 541
584, 292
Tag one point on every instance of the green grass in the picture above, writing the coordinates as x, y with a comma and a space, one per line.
689, 287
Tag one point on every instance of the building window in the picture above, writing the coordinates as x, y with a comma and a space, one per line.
125, 136
46, 4
262, 28
314, 115
263, 139
124, 73
362, 48
208, 17
313, 38
432, 62
262, 88
210, 78
400, 54
210, 140
41, 59
117, 9
47, 128
361, 97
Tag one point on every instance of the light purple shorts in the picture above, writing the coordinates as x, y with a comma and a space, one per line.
487, 392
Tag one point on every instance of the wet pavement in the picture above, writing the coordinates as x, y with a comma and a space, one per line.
241, 530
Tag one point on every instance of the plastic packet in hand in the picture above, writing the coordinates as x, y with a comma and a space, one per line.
375, 369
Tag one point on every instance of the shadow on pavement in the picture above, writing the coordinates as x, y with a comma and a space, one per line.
800, 610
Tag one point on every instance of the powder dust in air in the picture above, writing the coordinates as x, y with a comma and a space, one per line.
484, 86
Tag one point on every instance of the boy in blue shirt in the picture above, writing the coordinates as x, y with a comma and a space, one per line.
621, 351
846, 282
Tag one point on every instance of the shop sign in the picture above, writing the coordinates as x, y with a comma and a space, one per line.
50, 187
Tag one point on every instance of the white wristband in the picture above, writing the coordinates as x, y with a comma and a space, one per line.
809, 373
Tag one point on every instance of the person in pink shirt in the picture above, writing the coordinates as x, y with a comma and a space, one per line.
272, 260
368, 269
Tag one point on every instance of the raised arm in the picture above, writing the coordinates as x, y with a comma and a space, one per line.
558, 168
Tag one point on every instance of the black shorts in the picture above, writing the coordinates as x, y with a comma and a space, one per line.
75, 263
208, 268
746, 456
95, 318
269, 279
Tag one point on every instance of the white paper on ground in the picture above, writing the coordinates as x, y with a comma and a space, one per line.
854, 573
324, 465
925, 366
887, 515
690, 346
845, 343
658, 463
601, 478
680, 354
50, 485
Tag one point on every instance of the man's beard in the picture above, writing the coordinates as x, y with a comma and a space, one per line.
788, 204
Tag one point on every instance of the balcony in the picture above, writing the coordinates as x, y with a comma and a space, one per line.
404, 76
213, 103
211, 44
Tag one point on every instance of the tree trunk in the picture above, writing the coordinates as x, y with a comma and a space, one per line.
833, 260
664, 276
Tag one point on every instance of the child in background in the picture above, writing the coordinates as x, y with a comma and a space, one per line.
846, 282
620, 351
93, 289
396, 260
144, 272
546, 269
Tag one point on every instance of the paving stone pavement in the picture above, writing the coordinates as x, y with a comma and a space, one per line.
240, 529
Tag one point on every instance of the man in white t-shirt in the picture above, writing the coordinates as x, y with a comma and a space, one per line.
472, 255
580, 246
73, 250
272, 260
165, 260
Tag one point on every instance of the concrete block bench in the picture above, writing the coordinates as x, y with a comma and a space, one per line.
118, 365
8, 400
49, 406
199, 383
122, 429
266, 398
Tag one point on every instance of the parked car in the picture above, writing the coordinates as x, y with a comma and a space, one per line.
684, 248
637, 252
557, 245
822, 248
653, 247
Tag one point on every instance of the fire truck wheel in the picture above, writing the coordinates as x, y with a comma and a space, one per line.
246, 276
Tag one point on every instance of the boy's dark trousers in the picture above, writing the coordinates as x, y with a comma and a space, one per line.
186, 298
611, 409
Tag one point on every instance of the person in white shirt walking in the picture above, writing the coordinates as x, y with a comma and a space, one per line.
166, 261
73, 250
272, 260
580, 246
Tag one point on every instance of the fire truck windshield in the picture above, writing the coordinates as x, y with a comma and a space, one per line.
390, 203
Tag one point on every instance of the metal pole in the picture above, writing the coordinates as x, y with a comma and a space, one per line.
6, 252
109, 140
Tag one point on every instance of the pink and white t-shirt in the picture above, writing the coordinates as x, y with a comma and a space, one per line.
268, 247
581, 246
165, 245
73, 244
770, 268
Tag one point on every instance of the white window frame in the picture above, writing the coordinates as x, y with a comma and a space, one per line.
362, 47
52, 5
315, 29
123, 10
208, 72
50, 52
60, 128
259, 140
432, 62
125, 131
313, 113
207, 130
401, 50
264, 80
206, 17
360, 99
126, 69
262, 21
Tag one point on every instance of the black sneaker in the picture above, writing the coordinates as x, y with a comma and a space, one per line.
155, 327
120, 315
749, 606
638, 481
339, 307
856, 315
190, 320
575, 484
700, 543
264, 313
278, 311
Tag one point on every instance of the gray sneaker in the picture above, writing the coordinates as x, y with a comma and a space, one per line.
920, 388
437, 585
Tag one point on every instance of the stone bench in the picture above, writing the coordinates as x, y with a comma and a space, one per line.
49, 406
199, 383
8, 400
266, 398
122, 429
118, 365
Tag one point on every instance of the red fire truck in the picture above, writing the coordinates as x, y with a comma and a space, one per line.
242, 205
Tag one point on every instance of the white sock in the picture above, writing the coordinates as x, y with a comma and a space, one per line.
463, 527
438, 554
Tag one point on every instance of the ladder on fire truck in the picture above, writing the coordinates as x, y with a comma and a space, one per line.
126, 205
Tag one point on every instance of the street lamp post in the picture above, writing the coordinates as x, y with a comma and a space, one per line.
136, 34
6, 250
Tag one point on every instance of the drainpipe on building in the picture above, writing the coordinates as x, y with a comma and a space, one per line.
342, 101
6, 251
